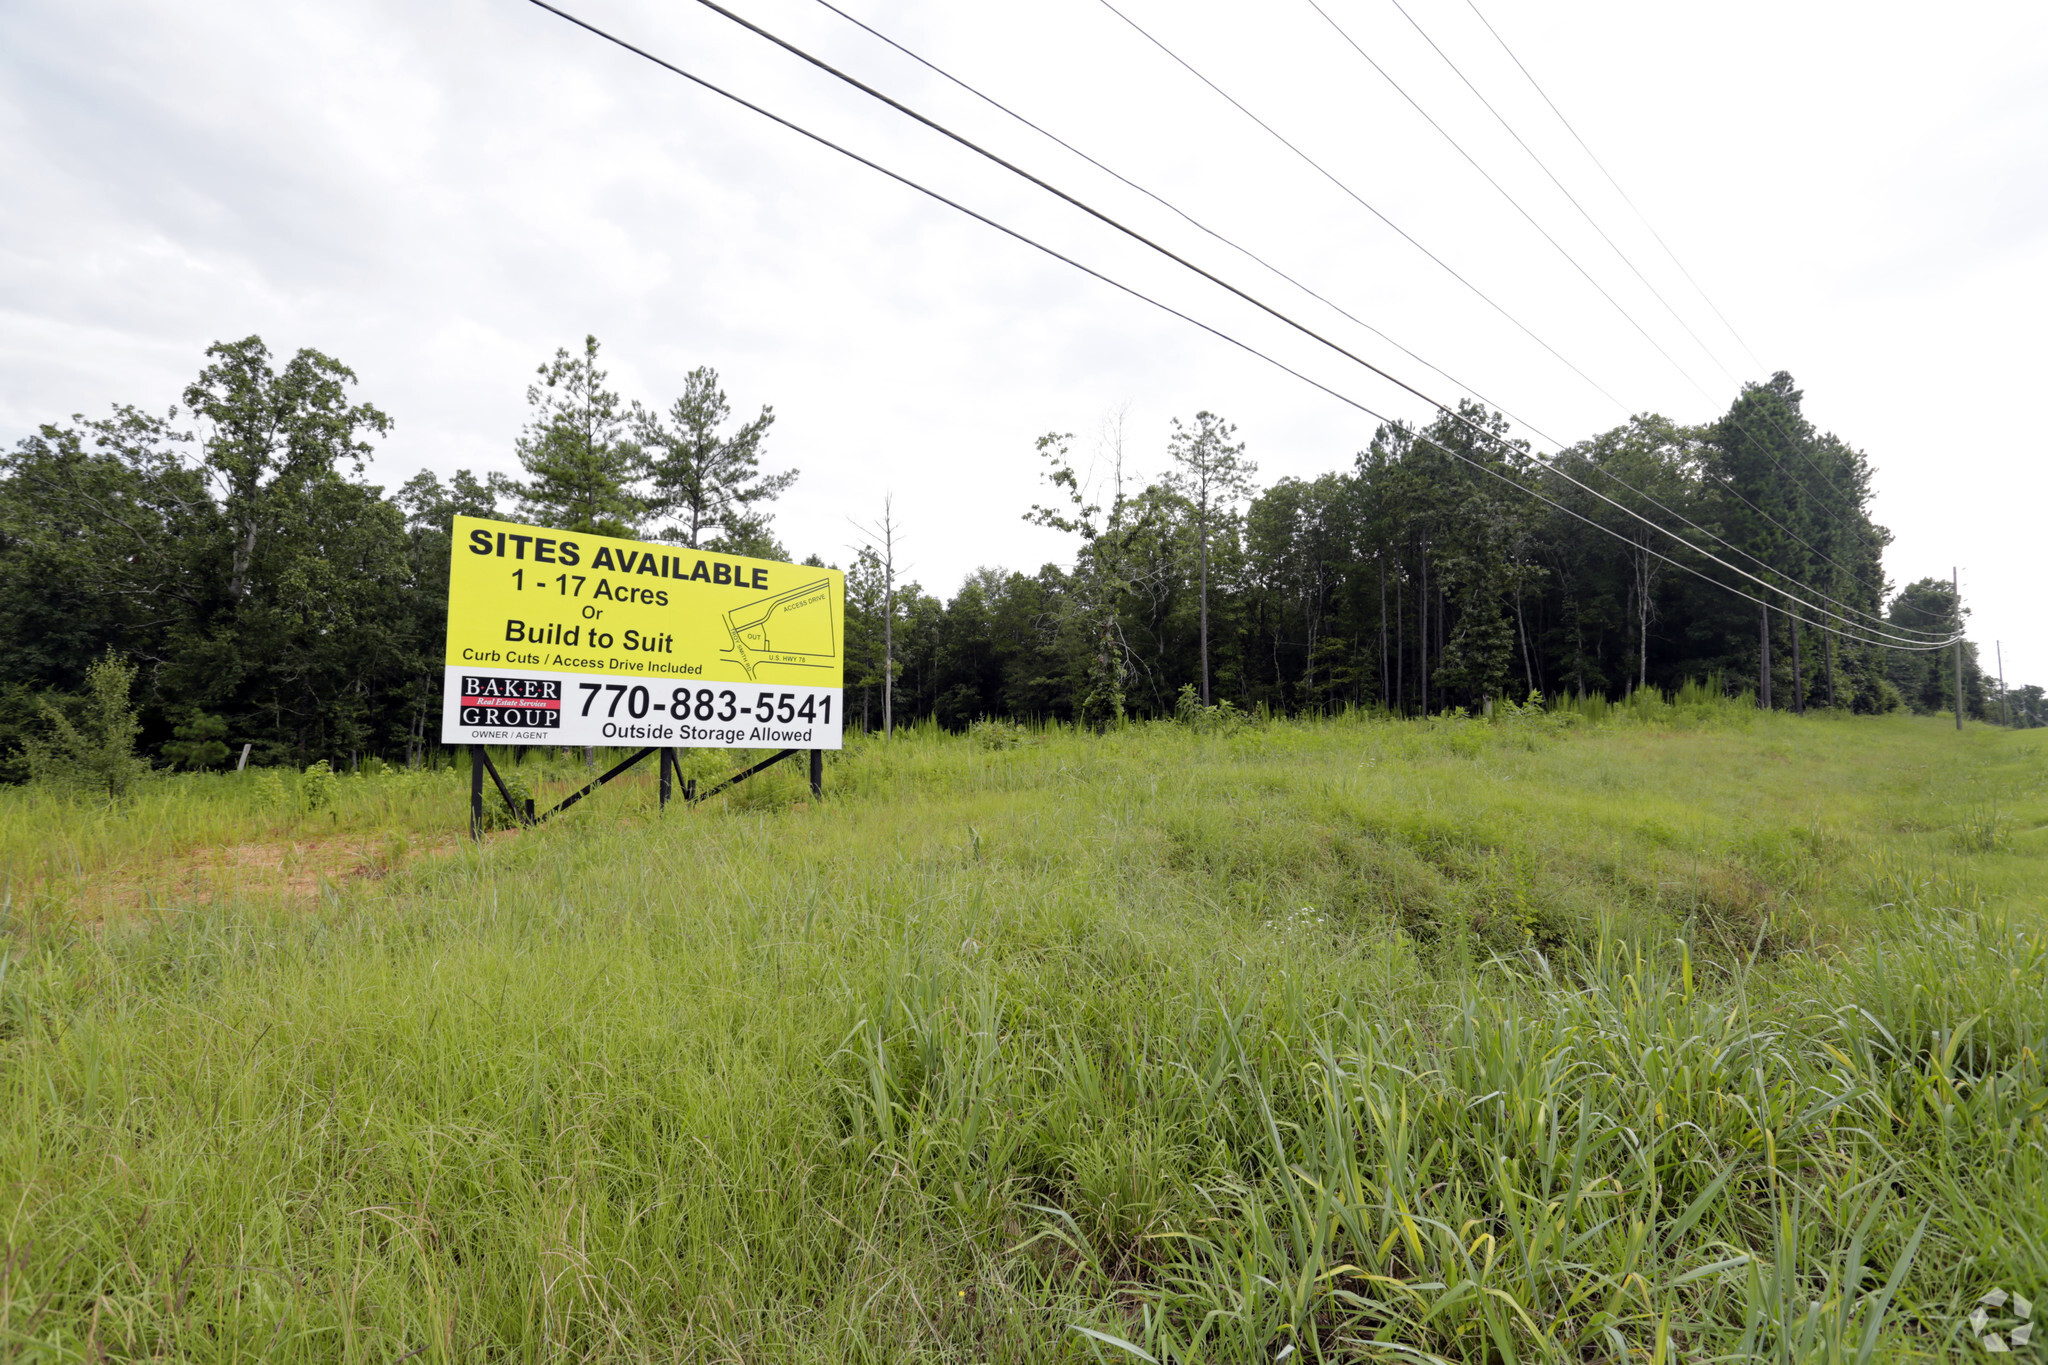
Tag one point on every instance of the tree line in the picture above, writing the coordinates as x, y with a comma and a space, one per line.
232, 553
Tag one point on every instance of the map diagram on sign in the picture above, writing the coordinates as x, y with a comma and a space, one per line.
791, 629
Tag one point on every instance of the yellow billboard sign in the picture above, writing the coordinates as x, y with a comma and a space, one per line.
565, 638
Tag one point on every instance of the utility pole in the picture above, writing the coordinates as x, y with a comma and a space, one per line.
885, 533
1955, 582
2004, 706
1827, 644
1798, 672
1763, 644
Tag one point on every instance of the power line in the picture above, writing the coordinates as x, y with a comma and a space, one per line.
1473, 161
1180, 213
1640, 215
1241, 108
1561, 189
1650, 227
1545, 168
1333, 179
1318, 167
1175, 209
1214, 331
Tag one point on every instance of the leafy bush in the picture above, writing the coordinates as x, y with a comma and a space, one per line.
497, 815
1220, 718
97, 752
997, 734
271, 792
316, 789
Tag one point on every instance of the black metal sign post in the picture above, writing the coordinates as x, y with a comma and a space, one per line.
671, 768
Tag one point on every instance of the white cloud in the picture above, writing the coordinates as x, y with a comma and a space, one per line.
441, 193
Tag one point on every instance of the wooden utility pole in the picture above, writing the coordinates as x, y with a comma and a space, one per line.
1763, 644
1955, 582
883, 533
888, 616
2004, 706
1798, 673
1827, 645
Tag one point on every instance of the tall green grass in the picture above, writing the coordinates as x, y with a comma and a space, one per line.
1670, 1037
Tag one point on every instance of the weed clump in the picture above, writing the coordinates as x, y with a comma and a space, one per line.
996, 734
270, 790
1222, 718
316, 786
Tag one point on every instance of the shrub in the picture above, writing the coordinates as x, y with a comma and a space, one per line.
271, 793
997, 734
316, 791
497, 815
1221, 717
96, 753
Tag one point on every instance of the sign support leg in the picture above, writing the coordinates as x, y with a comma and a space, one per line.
476, 792
817, 773
668, 761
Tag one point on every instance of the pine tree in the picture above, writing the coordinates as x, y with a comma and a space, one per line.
711, 484
582, 470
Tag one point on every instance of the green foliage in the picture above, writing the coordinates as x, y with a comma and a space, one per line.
498, 814
277, 592
710, 483
201, 742
581, 465
269, 790
316, 787
997, 734
96, 752
1221, 718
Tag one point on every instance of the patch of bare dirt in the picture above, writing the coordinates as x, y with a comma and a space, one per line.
289, 869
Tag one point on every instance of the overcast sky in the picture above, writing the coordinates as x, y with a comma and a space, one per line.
442, 192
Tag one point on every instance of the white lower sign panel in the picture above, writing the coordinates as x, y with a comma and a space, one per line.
498, 707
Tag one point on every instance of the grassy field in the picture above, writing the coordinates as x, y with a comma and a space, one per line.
1675, 1034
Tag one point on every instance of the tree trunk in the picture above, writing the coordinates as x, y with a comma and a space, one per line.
245, 552
1381, 560
1422, 625
1400, 655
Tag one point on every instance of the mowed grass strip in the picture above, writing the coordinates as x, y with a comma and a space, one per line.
1685, 1035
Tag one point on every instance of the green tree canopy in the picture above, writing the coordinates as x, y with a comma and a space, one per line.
582, 469
710, 483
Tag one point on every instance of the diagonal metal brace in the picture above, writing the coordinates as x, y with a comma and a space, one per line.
523, 815
743, 776
574, 797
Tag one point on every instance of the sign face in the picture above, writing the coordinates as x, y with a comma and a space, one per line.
565, 638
